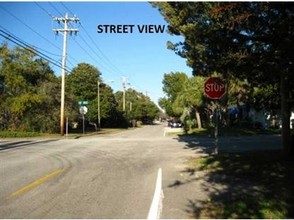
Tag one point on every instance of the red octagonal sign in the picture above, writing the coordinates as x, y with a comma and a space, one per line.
215, 88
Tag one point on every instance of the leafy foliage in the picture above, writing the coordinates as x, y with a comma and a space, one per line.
139, 107
184, 97
30, 95
21, 76
251, 41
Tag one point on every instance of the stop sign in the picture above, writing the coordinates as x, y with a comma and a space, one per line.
214, 88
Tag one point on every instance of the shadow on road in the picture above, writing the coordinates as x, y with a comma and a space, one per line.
15, 144
243, 181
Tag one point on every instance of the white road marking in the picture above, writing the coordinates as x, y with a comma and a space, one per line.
156, 205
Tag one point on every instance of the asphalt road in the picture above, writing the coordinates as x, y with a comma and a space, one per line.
102, 176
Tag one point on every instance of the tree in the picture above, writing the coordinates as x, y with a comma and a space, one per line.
173, 84
22, 74
184, 95
190, 98
241, 40
82, 81
166, 104
82, 84
138, 106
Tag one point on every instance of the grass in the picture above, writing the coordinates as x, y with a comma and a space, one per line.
230, 131
258, 185
21, 134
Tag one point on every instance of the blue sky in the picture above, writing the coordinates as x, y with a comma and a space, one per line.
140, 57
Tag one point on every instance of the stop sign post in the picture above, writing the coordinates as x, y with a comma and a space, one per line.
215, 88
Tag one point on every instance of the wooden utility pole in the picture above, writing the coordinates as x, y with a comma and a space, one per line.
124, 93
65, 20
98, 106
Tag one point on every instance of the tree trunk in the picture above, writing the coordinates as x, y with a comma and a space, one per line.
285, 111
198, 118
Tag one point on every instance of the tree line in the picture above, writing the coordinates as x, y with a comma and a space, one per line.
30, 96
185, 101
248, 41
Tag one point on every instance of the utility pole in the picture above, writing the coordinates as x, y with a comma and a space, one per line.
98, 101
65, 20
124, 92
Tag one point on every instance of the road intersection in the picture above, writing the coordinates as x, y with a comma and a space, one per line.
110, 176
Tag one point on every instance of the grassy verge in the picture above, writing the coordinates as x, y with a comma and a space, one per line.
19, 134
257, 185
209, 132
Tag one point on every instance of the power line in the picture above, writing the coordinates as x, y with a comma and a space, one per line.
49, 14
66, 8
103, 55
105, 60
29, 47
38, 48
29, 27
15, 17
91, 48
55, 9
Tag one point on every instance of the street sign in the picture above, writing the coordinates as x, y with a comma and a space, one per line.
215, 88
83, 102
83, 110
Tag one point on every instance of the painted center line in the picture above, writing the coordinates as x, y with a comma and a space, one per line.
35, 183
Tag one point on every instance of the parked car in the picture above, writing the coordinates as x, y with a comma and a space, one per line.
174, 124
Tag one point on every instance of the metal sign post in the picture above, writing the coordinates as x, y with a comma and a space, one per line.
83, 111
216, 115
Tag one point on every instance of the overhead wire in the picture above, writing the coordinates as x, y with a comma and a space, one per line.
51, 16
94, 52
55, 9
66, 8
33, 46
105, 61
30, 48
101, 57
15, 17
39, 5
11, 14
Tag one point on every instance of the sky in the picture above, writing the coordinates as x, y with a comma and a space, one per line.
141, 58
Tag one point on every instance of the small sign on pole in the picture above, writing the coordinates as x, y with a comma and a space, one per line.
215, 88
83, 103
83, 110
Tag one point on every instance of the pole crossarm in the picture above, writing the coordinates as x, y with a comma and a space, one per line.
68, 30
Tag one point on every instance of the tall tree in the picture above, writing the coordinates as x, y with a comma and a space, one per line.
138, 106
173, 84
82, 83
166, 104
22, 74
249, 40
191, 98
